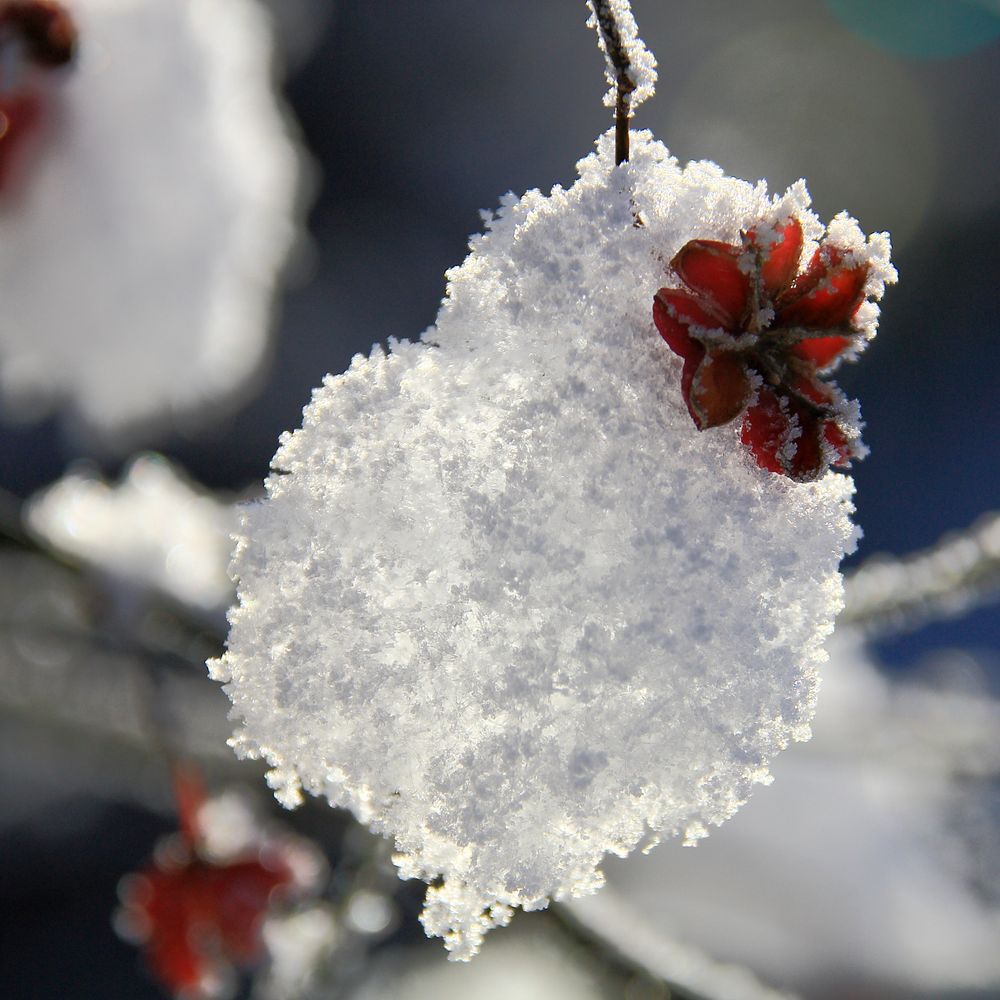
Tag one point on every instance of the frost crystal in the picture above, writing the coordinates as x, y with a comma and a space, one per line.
142, 239
503, 600
618, 37
154, 530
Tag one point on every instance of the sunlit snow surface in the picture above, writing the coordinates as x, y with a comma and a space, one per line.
503, 600
141, 243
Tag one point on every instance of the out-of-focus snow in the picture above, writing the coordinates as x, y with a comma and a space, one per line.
140, 248
503, 600
154, 530
854, 863
299, 945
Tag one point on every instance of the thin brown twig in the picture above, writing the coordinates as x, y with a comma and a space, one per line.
610, 33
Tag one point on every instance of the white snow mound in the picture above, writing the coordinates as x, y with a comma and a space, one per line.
503, 600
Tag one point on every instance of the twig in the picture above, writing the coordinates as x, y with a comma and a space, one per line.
958, 573
631, 945
618, 40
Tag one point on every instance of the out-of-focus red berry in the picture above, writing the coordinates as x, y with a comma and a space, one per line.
199, 917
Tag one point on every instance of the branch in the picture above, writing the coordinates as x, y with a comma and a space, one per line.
631, 68
958, 573
605, 923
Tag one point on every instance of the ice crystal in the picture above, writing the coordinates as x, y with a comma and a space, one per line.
503, 600
143, 233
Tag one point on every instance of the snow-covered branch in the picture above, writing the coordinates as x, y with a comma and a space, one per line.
959, 572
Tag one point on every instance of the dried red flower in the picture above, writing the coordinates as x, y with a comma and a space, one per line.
199, 917
756, 335
44, 27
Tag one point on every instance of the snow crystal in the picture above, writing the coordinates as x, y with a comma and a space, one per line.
616, 30
154, 529
142, 243
503, 600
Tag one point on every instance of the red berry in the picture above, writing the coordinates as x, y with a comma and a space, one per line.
778, 320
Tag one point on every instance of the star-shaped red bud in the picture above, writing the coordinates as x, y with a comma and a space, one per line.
756, 338
198, 916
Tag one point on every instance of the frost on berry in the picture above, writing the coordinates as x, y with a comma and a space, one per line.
503, 599
756, 338
148, 201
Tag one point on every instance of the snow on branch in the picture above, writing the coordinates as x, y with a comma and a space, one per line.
503, 599
631, 67
961, 571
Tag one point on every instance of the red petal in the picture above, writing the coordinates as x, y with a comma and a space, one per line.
837, 440
673, 311
719, 389
691, 366
241, 893
821, 351
172, 949
815, 390
780, 257
808, 461
765, 430
712, 269
827, 295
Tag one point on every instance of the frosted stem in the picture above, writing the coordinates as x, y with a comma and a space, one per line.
631, 69
958, 573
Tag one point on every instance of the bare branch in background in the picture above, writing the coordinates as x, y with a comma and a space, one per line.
958, 573
606, 920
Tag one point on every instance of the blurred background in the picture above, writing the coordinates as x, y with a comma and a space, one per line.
247, 248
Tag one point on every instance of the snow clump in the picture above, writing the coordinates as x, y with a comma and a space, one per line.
502, 599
